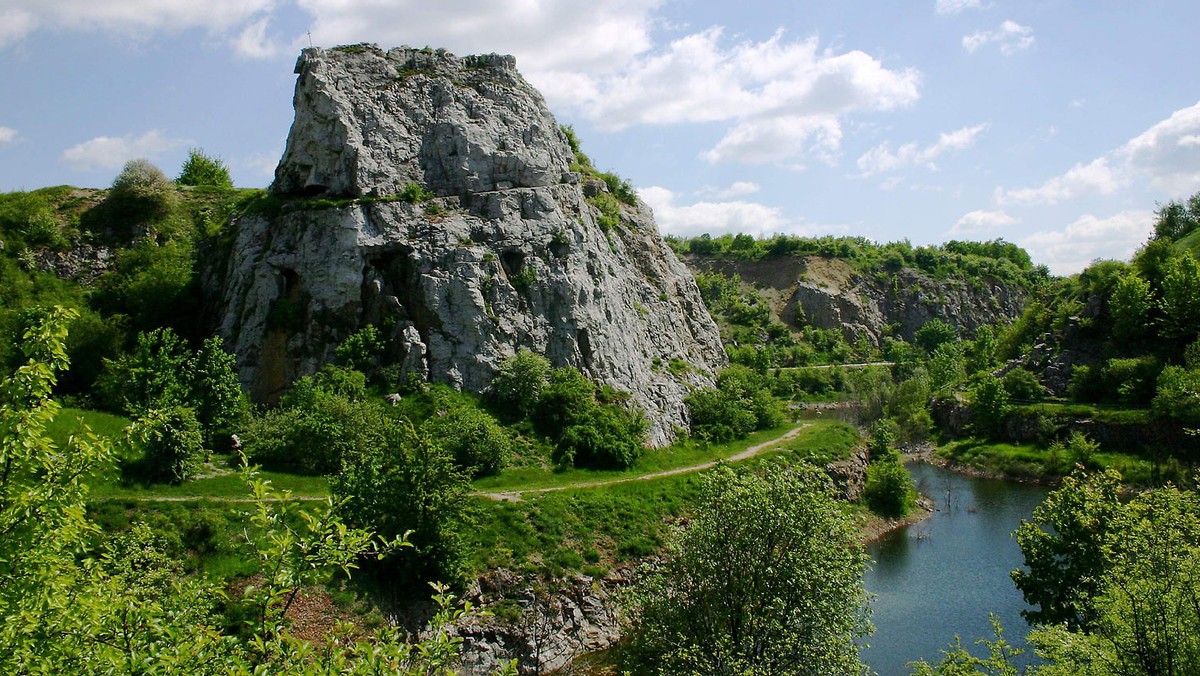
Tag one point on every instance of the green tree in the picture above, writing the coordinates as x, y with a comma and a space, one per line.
1144, 617
362, 350
1130, 307
889, 489
1065, 548
153, 375
478, 443
935, 333
1177, 396
1180, 301
989, 406
204, 171
519, 383
215, 392
1022, 384
958, 661
610, 437
141, 194
766, 579
171, 443
407, 483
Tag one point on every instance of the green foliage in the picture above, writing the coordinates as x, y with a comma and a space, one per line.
414, 193
766, 579
1177, 397
1180, 302
320, 421
29, 219
153, 375
1022, 384
958, 661
609, 437
171, 443
361, 350
405, 482
215, 393
989, 406
141, 196
881, 445
1177, 219
740, 403
935, 333
620, 188
608, 208
200, 170
1141, 613
1130, 307
1064, 547
125, 605
889, 490
480, 446
151, 283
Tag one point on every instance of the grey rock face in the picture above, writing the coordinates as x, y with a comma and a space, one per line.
832, 295
508, 255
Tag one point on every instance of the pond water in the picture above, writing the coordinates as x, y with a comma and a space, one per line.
943, 576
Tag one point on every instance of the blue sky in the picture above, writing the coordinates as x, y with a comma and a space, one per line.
1057, 125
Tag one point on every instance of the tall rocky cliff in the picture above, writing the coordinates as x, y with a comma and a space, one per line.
432, 196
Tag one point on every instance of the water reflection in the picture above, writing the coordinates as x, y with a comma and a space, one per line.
944, 575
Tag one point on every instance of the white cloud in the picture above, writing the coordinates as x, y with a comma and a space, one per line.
109, 152
736, 189
1011, 37
1168, 153
7, 134
715, 217
783, 97
546, 36
981, 223
956, 6
1096, 177
882, 159
1071, 249
128, 17
253, 42
1166, 157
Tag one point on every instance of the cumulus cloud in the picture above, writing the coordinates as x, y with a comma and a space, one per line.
1011, 37
111, 152
546, 36
1095, 178
714, 217
7, 135
782, 97
981, 223
1166, 157
882, 158
22, 17
956, 6
736, 189
253, 42
1071, 249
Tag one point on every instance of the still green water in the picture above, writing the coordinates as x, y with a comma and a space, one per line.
943, 576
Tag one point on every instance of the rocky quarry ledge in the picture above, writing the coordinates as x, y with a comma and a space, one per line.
433, 197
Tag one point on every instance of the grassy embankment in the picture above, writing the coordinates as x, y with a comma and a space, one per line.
574, 530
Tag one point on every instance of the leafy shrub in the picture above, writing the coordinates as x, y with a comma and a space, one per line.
1178, 396
151, 283
215, 392
1022, 384
414, 193
171, 443
610, 437
153, 375
935, 333
609, 210
480, 446
889, 490
203, 171
361, 350
403, 482
141, 194
740, 403
567, 397
989, 407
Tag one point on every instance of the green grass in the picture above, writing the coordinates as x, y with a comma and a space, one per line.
592, 529
681, 454
1105, 413
1030, 461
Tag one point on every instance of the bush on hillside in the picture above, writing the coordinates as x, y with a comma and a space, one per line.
171, 442
200, 170
480, 446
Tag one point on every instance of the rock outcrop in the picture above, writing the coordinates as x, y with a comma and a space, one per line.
432, 196
830, 294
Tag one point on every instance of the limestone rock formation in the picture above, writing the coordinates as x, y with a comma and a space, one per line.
432, 196
831, 294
